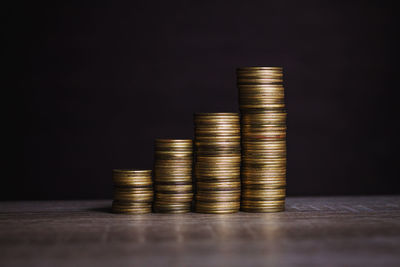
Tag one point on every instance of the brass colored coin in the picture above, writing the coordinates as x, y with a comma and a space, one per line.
179, 211
263, 172
260, 160
185, 197
200, 133
263, 203
217, 185
263, 210
168, 208
132, 211
258, 178
133, 193
217, 176
254, 68
220, 211
259, 76
173, 188
261, 128
217, 153
263, 122
174, 176
218, 147
217, 125
217, 114
219, 159
131, 207
262, 183
260, 87
217, 166
172, 205
258, 106
218, 198
171, 172
218, 205
227, 138
162, 180
264, 155
215, 179
257, 191
263, 197
259, 100
246, 80
218, 170
264, 148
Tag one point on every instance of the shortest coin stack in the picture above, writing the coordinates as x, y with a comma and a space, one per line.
173, 175
133, 191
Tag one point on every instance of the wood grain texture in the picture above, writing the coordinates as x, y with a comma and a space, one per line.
324, 231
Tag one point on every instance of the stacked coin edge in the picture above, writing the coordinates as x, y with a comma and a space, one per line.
217, 162
133, 191
173, 181
263, 126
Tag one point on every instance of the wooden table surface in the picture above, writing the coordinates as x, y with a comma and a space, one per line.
323, 231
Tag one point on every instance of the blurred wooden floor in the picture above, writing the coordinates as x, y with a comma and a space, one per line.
322, 231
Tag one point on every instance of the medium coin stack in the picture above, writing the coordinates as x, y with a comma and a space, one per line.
263, 121
133, 191
173, 175
217, 165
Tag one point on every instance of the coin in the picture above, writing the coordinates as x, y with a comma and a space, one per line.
263, 137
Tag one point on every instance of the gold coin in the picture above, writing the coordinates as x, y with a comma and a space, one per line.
266, 87
130, 207
218, 126
263, 203
217, 185
263, 210
259, 76
249, 191
178, 197
218, 205
250, 80
255, 68
173, 188
218, 198
162, 205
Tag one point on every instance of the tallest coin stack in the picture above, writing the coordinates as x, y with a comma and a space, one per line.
262, 106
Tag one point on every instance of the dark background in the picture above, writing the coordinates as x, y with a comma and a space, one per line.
98, 82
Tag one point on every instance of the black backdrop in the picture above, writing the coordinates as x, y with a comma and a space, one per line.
101, 81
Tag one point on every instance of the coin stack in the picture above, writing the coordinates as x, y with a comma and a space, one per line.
217, 165
262, 106
133, 191
173, 175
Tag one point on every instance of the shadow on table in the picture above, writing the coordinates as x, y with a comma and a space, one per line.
106, 209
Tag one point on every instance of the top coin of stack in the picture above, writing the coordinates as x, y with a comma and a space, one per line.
262, 106
133, 191
173, 175
217, 165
